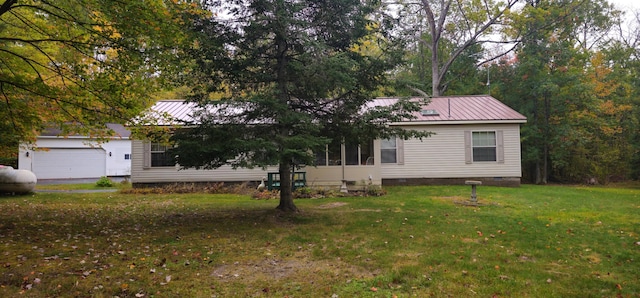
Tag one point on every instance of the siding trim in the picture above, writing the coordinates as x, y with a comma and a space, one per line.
146, 155
500, 146
400, 151
468, 151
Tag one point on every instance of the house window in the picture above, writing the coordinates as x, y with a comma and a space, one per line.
331, 156
334, 153
484, 146
127, 156
389, 150
354, 154
160, 157
366, 154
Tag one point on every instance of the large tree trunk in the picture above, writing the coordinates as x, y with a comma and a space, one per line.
438, 26
286, 192
436, 84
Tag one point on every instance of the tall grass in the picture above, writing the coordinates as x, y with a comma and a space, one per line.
532, 241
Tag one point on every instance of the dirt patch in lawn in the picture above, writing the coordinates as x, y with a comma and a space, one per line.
332, 205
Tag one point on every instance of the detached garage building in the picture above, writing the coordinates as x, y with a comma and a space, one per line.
57, 157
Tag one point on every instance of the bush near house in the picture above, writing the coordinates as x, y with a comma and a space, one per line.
104, 181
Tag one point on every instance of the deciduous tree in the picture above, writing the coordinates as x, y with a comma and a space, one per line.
78, 64
453, 29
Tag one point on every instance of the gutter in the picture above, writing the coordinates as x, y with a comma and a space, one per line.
457, 122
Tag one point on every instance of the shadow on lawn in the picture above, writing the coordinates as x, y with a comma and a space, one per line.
32, 223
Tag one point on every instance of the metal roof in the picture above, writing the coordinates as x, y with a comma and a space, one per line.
479, 108
178, 109
120, 132
462, 108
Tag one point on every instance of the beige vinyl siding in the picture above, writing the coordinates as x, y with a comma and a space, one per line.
142, 174
439, 156
443, 154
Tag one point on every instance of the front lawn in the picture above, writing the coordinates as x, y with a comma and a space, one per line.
535, 241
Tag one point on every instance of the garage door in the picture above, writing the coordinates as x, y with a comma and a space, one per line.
69, 163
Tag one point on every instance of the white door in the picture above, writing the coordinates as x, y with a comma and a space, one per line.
69, 163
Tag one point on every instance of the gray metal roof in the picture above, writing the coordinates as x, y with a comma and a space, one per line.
180, 110
120, 132
447, 108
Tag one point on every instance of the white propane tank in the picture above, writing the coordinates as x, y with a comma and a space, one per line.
16, 181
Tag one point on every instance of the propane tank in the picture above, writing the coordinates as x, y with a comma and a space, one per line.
16, 181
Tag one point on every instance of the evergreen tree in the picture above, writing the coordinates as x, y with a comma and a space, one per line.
296, 78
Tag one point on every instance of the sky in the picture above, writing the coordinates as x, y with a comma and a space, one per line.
626, 4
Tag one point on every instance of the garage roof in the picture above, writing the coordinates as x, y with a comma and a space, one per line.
120, 132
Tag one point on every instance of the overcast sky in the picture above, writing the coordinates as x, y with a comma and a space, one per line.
626, 4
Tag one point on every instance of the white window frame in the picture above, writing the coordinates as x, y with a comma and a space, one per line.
398, 148
470, 146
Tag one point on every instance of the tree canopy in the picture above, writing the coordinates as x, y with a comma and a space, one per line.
78, 64
296, 76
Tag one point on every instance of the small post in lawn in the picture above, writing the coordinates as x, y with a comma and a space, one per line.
474, 197
343, 187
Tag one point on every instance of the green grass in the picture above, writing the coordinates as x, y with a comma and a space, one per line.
80, 186
532, 241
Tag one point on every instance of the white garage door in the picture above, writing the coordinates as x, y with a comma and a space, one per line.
69, 163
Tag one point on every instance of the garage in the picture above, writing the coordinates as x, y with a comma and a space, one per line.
63, 163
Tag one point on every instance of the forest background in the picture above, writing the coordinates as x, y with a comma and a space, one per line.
572, 67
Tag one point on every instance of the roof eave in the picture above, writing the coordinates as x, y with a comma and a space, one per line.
458, 122
84, 137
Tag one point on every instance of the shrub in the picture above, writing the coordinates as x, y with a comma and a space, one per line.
104, 181
266, 195
375, 191
303, 192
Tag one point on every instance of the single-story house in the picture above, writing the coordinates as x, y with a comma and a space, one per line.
475, 137
71, 157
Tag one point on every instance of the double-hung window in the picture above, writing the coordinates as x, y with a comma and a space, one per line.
484, 146
389, 150
160, 156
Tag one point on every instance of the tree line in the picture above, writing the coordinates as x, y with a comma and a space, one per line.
571, 67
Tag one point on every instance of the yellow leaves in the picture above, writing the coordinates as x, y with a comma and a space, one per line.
613, 112
370, 45
367, 47
372, 26
598, 77
610, 131
608, 107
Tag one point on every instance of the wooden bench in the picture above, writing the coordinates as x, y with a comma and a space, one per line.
299, 180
